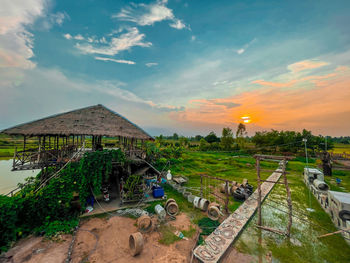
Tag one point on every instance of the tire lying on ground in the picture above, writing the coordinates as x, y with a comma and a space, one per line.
144, 224
238, 194
135, 243
214, 211
344, 215
172, 208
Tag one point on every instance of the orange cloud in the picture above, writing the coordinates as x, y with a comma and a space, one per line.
306, 64
323, 102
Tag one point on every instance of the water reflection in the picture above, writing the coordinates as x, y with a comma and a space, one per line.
9, 179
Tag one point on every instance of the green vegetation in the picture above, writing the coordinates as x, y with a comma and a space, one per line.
40, 211
341, 148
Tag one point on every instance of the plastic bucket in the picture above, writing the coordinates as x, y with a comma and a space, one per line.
203, 204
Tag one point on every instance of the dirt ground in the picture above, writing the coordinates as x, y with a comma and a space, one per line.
104, 240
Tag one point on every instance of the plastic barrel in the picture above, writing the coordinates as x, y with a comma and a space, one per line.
135, 243
196, 201
190, 198
185, 194
160, 211
203, 204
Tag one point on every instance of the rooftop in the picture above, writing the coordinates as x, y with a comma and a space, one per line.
95, 120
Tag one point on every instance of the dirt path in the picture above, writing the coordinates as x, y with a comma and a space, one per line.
112, 245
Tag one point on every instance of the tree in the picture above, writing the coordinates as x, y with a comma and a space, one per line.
211, 137
241, 132
198, 138
175, 136
203, 145
227, 139
183, 141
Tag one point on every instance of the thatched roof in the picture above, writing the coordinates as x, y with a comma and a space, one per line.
94, 120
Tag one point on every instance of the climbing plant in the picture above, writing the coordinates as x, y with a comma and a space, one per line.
38, 211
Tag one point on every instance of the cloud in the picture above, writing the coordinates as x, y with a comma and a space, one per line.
116, 60
58, 18
316, 107
193, 38
79, 37
20, 88
178, 24
306, 65
122, 42
244, 48
67, 36
149, 14
151, 64
16, 43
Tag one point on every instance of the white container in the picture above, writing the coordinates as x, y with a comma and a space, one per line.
196, 201
160, 211
203, 204
169, 177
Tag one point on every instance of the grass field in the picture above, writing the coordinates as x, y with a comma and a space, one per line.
304, 246
341, 148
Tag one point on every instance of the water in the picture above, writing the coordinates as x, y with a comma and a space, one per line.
9, 179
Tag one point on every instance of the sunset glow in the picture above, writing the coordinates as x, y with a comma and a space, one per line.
168, 70
246, 119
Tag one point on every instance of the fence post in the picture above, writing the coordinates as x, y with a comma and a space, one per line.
201, 186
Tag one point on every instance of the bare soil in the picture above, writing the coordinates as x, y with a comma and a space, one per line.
104, 240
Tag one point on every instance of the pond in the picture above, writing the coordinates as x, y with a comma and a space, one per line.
9, 179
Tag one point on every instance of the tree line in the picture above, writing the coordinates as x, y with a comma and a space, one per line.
265, 141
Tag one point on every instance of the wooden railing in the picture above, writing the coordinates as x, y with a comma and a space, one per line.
37, 158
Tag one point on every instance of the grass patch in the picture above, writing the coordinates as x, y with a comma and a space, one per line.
168, 236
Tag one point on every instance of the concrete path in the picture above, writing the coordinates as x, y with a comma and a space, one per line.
220, 240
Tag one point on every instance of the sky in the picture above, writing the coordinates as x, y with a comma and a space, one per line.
181, 66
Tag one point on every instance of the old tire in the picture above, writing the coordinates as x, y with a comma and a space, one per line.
168, 202
135, 243
172, 209
144, 224
344, 215
214, 211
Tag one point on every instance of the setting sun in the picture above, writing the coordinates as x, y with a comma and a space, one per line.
246, 119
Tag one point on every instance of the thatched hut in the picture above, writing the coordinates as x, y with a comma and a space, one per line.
60, 136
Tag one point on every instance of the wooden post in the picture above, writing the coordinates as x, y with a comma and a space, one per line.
201, 186
227, 197
14, 158
24, 143
259, 190
289, 199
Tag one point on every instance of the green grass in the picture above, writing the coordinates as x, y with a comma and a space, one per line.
304, 245
341, 148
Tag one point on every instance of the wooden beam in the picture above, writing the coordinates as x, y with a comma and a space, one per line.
333, 233
227, 197
273, 157
259, 190
289, 200
271, 230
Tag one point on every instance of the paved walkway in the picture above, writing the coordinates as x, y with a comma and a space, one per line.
220, 240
